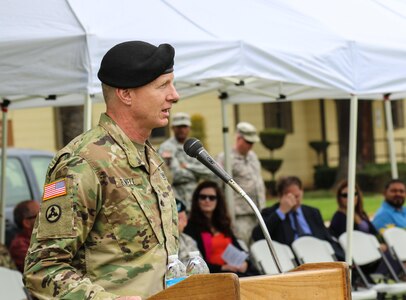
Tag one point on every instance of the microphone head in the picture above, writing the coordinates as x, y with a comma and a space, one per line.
192, 147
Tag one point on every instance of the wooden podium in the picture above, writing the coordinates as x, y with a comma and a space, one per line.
307, 282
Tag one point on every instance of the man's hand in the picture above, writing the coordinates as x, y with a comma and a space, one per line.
287, 202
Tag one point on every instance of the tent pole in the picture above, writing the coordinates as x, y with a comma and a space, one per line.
227, 160
4, 109
352, 152
87, 114
390, 137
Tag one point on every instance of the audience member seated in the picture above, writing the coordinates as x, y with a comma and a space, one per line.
392, 213
5, 258
210, 225
338, 226
24, 217
338, 223
290, 219
186, 243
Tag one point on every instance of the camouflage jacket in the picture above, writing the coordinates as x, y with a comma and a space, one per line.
186, 244
108, 222
246, 172
186, 171
5, 258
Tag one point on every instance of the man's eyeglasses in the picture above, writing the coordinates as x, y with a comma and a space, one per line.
210, 197
345, 195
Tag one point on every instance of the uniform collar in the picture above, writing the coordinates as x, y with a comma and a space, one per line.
118, 135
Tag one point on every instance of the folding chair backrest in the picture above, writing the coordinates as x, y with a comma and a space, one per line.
395, 238
11, 284
263, 258
365, 247
309, 249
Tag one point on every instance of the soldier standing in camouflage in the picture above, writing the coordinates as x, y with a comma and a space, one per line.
108, 218
186, 243
185, 170
246, 171
5, 258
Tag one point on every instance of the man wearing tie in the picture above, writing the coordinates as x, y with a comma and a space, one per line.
289, 219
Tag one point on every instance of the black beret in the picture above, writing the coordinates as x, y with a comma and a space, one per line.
135, 63
179, 205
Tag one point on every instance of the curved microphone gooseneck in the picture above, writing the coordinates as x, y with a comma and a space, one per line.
194, 148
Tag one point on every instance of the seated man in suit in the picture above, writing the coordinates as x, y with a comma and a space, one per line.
289, 219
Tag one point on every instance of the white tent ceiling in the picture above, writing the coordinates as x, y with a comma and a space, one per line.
301, 49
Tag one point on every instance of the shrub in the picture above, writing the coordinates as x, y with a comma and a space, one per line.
373, 177
324, 177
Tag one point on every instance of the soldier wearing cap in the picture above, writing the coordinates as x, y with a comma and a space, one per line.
186, 171
246, 171
108, 217
186, 242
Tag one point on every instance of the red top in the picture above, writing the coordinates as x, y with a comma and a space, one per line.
216, 245
18, 249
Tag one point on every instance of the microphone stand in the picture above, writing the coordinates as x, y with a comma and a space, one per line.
268, 239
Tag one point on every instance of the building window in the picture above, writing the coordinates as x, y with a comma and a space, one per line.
278, 115
397, 114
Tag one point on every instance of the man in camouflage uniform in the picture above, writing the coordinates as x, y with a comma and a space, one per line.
5, 258
186, 242
186, 171
246, 171
108, 218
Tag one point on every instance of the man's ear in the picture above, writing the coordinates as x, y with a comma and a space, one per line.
124, 95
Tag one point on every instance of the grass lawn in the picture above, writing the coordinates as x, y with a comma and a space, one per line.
326, 202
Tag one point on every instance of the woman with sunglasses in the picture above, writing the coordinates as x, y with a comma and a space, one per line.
361, 220
210, 226
362, 223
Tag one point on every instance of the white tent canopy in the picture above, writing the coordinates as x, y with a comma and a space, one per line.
330, 47
333, 48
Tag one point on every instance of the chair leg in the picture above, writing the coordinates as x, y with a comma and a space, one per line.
381, 296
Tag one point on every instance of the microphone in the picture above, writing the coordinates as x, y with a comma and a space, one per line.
194, 148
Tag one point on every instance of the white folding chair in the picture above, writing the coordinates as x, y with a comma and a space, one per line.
395, 238
263, 259
11, 285
365, 250
309, 249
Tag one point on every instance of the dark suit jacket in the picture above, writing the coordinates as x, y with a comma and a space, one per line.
338, 225
282, 232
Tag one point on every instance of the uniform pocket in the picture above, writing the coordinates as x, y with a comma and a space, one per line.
133, 223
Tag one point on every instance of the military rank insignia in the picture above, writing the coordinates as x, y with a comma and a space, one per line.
54, 189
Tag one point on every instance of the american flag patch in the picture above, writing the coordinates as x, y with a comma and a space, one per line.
54, 189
